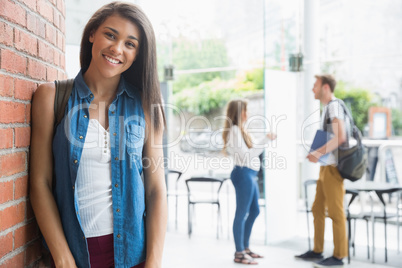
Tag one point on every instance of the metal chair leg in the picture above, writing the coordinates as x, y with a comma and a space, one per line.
368, 242
218, 221
349, 238
189, 220
308, 231
386, 251
177, 201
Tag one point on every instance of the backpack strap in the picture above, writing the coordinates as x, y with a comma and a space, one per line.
63, 92
345, 109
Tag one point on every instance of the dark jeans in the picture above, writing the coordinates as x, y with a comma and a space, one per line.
247, 209
101, 253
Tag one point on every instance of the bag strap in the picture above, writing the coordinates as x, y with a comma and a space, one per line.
63, 92
347, 112
355, 131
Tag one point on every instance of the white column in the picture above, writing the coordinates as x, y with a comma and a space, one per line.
311, 52
281, 156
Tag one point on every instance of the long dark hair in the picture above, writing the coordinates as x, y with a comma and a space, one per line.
233, 117
143, 72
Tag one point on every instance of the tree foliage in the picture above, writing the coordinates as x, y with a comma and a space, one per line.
189, 55
214, 94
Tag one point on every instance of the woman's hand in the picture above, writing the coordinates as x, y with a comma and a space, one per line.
271, 136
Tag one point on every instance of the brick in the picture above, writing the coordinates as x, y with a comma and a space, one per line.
32, 21
6, 244
60, 40
45, 52
13, 12
25, 42
54, 2
21, 187
23, 89
25, 234
12, 163
12, 215
22, 137
56, 59
60, 75
12, 112
15, 262
6, 34
40, 28
36, 70
51, 74
62, 61
60, 7
56, 18
62, 26
51, 36
30, 3
33, 253
6, 140
28, 114
6, 86
6, 192
45, 9
13, 62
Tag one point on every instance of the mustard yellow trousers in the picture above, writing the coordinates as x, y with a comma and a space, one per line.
329, 197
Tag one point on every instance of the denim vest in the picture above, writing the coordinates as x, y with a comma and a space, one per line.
127, 131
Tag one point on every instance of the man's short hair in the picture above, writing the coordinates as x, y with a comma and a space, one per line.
327, 79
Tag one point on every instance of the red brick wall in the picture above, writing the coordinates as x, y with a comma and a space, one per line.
32, 47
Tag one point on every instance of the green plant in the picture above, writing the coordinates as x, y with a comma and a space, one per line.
396, 115
211, 95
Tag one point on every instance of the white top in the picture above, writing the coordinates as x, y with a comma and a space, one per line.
335, 110
242, 155
94, 182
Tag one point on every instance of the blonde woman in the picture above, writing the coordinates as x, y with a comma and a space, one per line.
239, 145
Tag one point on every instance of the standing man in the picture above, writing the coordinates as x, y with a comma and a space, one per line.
330, 190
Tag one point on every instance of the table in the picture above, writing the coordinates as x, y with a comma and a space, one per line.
379, 188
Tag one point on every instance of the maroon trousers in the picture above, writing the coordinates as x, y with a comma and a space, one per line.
101, 253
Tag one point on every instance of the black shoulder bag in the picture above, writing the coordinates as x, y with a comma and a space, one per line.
63, 92
352, 162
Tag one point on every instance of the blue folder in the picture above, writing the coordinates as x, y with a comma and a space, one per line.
321, 138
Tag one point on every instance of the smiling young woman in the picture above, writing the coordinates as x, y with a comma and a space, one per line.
86, 190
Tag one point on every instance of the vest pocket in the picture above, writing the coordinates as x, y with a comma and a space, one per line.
134, 139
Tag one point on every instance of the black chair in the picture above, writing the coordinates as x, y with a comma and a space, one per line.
175, 193
353, 218
213, 198
384, 216
350, 217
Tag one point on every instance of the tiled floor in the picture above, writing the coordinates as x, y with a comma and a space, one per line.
208, 252
204, 250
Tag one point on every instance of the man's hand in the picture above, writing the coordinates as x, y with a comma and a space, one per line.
314, 156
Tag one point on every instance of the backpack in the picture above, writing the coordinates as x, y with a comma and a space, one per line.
352, 162
63, 92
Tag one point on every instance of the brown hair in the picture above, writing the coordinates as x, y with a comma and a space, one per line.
327, 79
143, 72
233, 117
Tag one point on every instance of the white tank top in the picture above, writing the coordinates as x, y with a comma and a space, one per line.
94, 182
